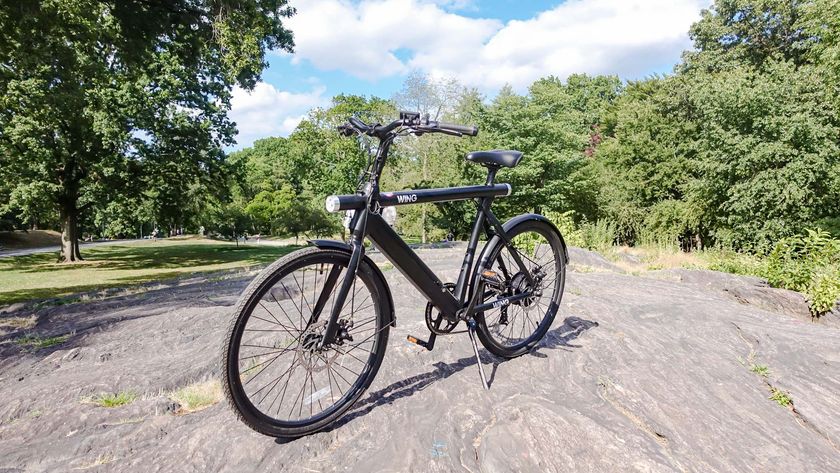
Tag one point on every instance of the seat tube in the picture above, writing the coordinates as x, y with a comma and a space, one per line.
469, 256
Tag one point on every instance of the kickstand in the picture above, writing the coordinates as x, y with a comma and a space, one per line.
471, 327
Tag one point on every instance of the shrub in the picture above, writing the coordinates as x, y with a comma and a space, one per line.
599, 235
809, 264
565, 222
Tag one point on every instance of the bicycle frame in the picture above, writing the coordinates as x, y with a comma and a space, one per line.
370, 224
367, 222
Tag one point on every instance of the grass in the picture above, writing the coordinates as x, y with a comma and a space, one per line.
386, 266
781, 397
639, 259
17, 323
761, 370
38, 276
198, 396
99, 461
111, 400
39, 343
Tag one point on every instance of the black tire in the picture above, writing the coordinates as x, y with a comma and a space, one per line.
539, 246
288, 334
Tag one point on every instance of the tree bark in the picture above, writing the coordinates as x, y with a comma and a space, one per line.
69, 234
423, 206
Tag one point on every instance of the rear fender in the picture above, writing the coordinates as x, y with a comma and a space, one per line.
341, 246
495, 240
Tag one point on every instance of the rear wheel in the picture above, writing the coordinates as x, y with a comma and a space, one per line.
510, 331
276, 377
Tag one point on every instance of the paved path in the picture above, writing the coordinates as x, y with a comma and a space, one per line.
55, 249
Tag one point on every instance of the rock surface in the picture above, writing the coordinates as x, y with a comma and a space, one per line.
637, 374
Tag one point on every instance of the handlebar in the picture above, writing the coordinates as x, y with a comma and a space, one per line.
410, 120
464, 130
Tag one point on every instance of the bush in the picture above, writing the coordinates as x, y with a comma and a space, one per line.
599, 235
565, 222
730, 261
809, 264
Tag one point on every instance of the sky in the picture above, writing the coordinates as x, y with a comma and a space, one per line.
368, 47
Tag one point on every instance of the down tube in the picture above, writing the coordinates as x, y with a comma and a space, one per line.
410, 265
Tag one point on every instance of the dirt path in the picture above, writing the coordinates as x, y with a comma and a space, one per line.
637, 374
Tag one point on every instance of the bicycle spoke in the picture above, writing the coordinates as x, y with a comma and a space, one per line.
285, 375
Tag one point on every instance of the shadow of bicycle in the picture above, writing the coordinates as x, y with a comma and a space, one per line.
556, 338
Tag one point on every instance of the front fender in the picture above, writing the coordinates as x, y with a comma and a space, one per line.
340, 245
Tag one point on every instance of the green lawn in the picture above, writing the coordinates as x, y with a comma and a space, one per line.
38, 276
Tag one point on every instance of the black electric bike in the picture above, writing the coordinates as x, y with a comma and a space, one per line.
310, 331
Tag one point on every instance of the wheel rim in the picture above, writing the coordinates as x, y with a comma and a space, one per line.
278, 369
514, 326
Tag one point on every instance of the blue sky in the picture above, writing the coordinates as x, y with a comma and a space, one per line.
369, 46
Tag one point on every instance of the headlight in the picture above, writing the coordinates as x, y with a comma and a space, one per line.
332, 203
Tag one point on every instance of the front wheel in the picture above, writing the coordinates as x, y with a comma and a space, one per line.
276, 376
512, 330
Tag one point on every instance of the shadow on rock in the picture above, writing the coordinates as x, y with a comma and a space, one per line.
557, 338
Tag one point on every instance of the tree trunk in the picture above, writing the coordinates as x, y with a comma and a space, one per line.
69, 234
423, 206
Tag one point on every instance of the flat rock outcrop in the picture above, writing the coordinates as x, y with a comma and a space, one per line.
655, 374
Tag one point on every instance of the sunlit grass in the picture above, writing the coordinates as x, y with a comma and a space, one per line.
110, 400
39, 276
196, 397
38, 342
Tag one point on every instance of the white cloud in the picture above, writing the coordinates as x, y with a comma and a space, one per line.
624, 37
266, 111
361, 39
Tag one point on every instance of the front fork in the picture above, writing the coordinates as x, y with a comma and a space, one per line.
357, 244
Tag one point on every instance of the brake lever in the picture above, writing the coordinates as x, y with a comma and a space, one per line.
346, 130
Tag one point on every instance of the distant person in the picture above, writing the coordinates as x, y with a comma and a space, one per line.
257, 237
154, 234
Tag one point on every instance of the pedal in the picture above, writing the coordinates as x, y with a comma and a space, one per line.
428, 345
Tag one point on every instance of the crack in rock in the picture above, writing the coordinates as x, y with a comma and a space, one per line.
604, 384
798, 416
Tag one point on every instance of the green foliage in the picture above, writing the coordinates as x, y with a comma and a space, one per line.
111, 400
565, 222
734, 262
761, 370
809, 264
781, 397
598, 235
121, 98
39, 342
736, 151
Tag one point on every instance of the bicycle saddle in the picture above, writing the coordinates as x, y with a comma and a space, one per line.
496, 157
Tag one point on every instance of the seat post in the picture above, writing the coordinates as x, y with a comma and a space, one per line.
491, 174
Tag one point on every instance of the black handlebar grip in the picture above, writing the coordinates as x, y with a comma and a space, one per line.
464, 130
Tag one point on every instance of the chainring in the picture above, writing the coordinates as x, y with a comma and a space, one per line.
433, 315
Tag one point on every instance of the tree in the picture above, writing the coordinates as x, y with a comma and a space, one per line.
99, 97
434, 99
750, 32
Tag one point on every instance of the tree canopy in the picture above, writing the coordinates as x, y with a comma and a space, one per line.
105, 102
117, 113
